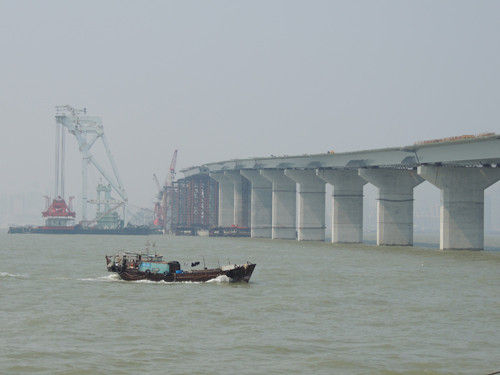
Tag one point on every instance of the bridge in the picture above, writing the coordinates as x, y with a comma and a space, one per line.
261, 193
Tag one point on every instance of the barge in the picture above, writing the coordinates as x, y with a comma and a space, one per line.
139, 266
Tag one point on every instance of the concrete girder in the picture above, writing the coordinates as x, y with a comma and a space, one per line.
311, 223
462, 203
261, 204
226, 199
240, 214
283, 204
395, 203
347, 204
471, 151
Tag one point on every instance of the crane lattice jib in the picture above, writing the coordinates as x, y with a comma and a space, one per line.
88, 130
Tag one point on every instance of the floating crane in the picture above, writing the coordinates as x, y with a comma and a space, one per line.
88, 130
57, 213
59, 217
164, 203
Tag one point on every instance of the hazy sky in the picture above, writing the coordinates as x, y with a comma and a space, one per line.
231, 79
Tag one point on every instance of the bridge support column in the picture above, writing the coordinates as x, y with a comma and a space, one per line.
283, 204
462, 203
261, 204
395, 204
347, 204
226, 199
240, 205
311, 204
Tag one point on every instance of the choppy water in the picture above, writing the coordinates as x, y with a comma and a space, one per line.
310, 308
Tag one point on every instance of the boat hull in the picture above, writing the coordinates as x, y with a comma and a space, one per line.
239, 273
77, 229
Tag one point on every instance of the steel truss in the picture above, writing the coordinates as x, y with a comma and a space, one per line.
88, 130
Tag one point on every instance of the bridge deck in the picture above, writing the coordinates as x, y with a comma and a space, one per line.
466, 152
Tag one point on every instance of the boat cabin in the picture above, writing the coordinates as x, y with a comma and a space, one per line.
159, 267
143, 262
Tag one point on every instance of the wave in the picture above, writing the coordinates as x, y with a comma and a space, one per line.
220, 279
108, 278
164, 282
115, 278
13, 275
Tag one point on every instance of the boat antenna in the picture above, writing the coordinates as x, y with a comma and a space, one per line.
204, 263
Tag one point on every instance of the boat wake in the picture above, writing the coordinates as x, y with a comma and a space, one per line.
6, 275
164, 282
115, 278
107, 278
220, 279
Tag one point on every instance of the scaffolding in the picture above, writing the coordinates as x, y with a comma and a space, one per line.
195, 203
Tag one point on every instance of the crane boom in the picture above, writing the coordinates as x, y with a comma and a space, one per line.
155, 179
164, 204
173, 162
171, 175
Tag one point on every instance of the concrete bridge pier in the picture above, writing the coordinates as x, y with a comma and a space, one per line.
395, 204
311, 225
462, 203
226, 198
347, 204
283, 203
261, 204
240, 205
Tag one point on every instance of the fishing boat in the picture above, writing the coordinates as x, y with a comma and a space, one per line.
144, 266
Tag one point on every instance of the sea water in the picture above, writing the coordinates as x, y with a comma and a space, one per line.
312, 308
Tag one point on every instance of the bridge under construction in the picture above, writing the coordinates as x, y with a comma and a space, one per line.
262, 193
284, 197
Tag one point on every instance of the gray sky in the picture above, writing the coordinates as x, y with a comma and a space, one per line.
232, 79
